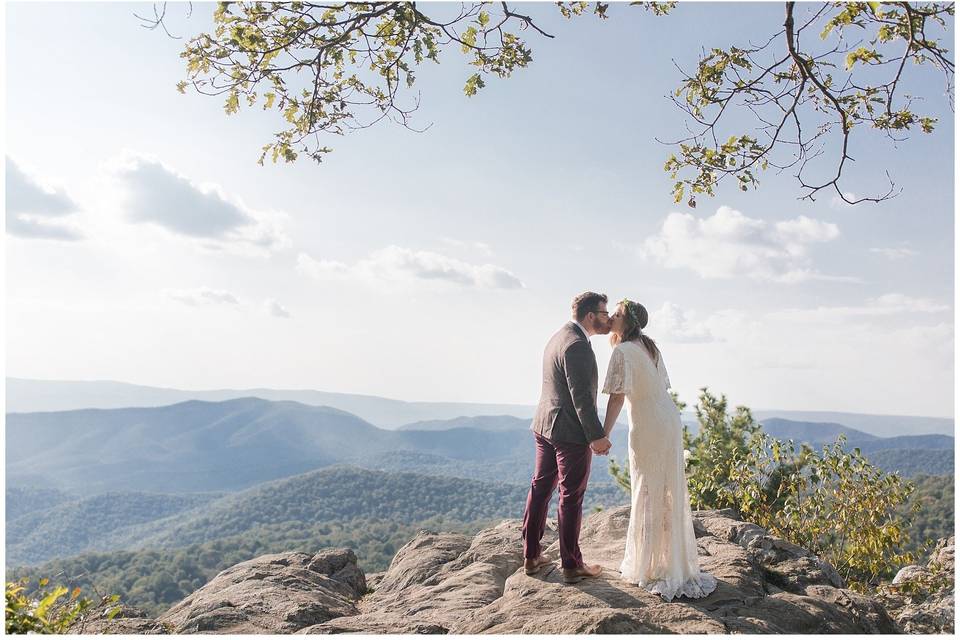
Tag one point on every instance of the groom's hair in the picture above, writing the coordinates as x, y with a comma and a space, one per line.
587, 302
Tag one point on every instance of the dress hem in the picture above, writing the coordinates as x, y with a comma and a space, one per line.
698, 586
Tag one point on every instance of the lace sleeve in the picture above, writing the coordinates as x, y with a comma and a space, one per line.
662, 368
618, 374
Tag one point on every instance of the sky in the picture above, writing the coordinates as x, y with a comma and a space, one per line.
145, 244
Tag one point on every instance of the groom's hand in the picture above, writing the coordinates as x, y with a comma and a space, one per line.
601, 446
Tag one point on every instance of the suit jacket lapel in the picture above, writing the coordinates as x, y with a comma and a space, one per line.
580, 331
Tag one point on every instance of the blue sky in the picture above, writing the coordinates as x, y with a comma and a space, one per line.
435, 266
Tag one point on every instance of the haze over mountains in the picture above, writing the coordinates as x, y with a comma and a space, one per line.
228, 445
29, 395
25, 395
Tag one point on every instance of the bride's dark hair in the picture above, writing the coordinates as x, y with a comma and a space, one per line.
634, 320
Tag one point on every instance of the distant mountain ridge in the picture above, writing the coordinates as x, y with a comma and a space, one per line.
825, 432
813, 431
233, 444
883, 426
30, 395
485, 423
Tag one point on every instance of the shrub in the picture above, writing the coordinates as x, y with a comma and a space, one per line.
45, 610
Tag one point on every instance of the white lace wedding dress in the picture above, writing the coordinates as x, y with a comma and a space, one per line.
661, 548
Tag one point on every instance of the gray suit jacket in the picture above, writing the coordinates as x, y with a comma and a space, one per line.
567, 411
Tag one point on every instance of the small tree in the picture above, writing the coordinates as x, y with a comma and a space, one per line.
721, 438
833, 502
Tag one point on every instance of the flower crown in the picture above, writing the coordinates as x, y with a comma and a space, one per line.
630, 307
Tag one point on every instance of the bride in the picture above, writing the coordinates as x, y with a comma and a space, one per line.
661, 549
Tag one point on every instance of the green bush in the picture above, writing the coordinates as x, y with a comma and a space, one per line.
45, 610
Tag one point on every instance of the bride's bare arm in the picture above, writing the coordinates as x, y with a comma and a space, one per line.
614, 405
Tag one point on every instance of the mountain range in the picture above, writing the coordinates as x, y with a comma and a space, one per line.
251, 475
30, 395
26, 395
230, 445
826, 432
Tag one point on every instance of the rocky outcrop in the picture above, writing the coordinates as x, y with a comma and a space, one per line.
921, 597
446, 583
452, 583
276, 593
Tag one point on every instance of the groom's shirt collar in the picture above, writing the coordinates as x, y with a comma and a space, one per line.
576, 322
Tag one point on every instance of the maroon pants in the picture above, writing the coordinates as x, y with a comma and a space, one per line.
566, 464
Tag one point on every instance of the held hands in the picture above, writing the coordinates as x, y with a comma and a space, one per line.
601, 446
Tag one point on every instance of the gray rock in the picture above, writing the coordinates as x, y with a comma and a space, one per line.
446, 583
276, 593
921, 598
908, 573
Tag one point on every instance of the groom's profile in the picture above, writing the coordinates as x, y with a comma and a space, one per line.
567, 431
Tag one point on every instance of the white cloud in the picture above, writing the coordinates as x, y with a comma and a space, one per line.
890, 304
729, 244
276, 309
397, 264
201, 295
884, 355
672, 324
30, 206
804, 230
894, 253
154, 193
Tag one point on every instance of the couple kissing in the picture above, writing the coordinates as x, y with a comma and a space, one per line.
660, 553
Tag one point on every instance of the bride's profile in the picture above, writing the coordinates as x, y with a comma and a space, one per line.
661, 548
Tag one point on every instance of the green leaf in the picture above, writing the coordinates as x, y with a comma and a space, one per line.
48, 601
474, 83
233, 103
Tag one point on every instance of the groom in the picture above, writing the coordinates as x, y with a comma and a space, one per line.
567, 431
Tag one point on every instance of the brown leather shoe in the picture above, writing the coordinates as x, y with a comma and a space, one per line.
586, 571
532, 565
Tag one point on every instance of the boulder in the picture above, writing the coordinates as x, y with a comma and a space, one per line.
275, 593
921, 597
